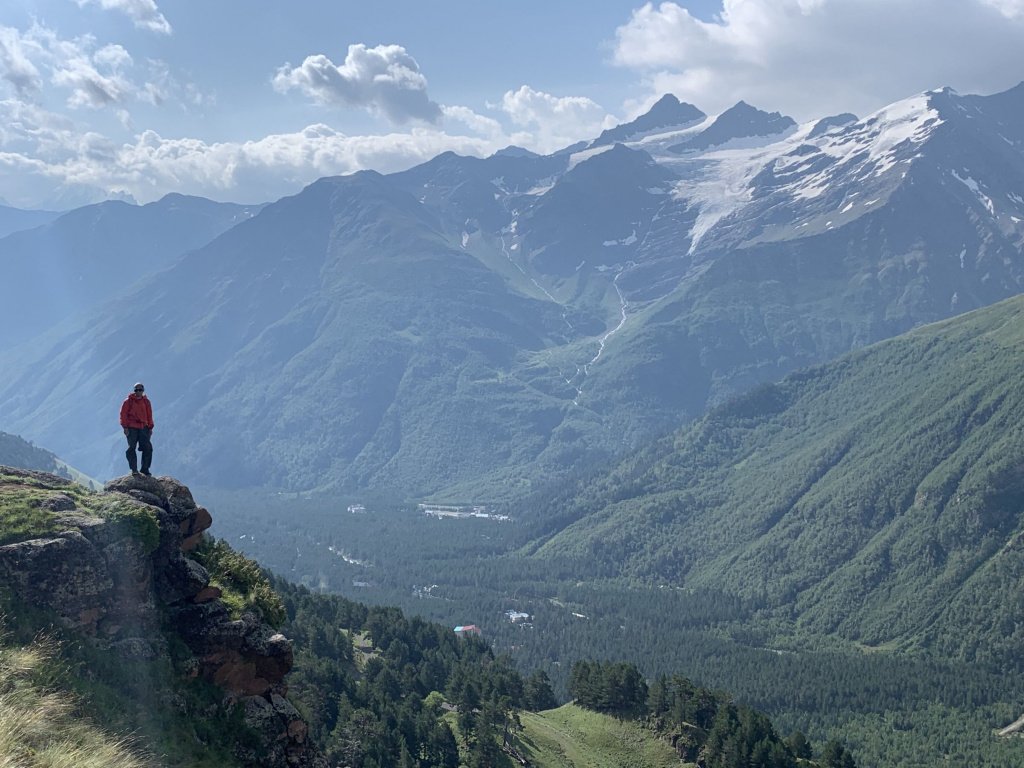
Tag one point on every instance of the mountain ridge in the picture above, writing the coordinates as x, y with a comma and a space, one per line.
83, 257
562, 291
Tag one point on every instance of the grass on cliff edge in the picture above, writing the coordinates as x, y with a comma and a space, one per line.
22, 516
40, 727
243, 584
176, 721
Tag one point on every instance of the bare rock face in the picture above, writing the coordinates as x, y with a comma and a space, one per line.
113, 587
92, 575
245, 656
275, 715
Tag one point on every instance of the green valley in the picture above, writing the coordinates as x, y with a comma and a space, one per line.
841, 550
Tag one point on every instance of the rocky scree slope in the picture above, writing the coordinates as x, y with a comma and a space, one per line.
115, 567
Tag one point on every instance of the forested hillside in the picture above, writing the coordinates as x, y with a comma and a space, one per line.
878, 498
129, 637
16, 452
381, 689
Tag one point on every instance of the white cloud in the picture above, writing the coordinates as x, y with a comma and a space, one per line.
144, 13
479, 124
60, 160
27, 126
59, 163
253, 171
553, 122
96, 80
96, 76
16, 66
385, 79
813, 57
1011, 9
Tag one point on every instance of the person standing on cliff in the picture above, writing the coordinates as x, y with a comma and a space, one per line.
137, 423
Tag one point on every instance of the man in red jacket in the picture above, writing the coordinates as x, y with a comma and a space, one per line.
137, 422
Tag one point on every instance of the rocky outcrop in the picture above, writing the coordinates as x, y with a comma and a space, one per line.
118, 583
92, 575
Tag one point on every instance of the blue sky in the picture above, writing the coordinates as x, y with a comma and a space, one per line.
251, 101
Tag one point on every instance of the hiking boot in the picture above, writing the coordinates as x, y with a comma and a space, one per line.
147, 473
136, 473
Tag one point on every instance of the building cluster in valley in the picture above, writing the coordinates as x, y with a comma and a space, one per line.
460, 512
515, 617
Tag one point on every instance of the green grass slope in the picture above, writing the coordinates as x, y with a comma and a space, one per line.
41, 727
878, 498
572, 737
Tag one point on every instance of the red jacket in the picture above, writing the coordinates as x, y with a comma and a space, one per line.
136, 412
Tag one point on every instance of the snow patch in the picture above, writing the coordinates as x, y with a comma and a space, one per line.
972, 185
911, 120
578, 157
721, 187
541, 186
659, 141
624, 241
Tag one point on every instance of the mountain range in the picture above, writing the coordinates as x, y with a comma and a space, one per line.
473, 326
79, 260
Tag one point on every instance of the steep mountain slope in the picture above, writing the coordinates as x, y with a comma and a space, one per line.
471, 325
878, 497
85, 256
333, 336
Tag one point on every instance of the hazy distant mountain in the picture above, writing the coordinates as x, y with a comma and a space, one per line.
472, 324
87, 255
17, 452
323, 339
16, 219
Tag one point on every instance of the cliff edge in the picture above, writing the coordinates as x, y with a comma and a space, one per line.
120, 568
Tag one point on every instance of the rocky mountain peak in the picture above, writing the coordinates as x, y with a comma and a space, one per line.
667, 112
741, 121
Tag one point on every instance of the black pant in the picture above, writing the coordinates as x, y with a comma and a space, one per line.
140, 438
